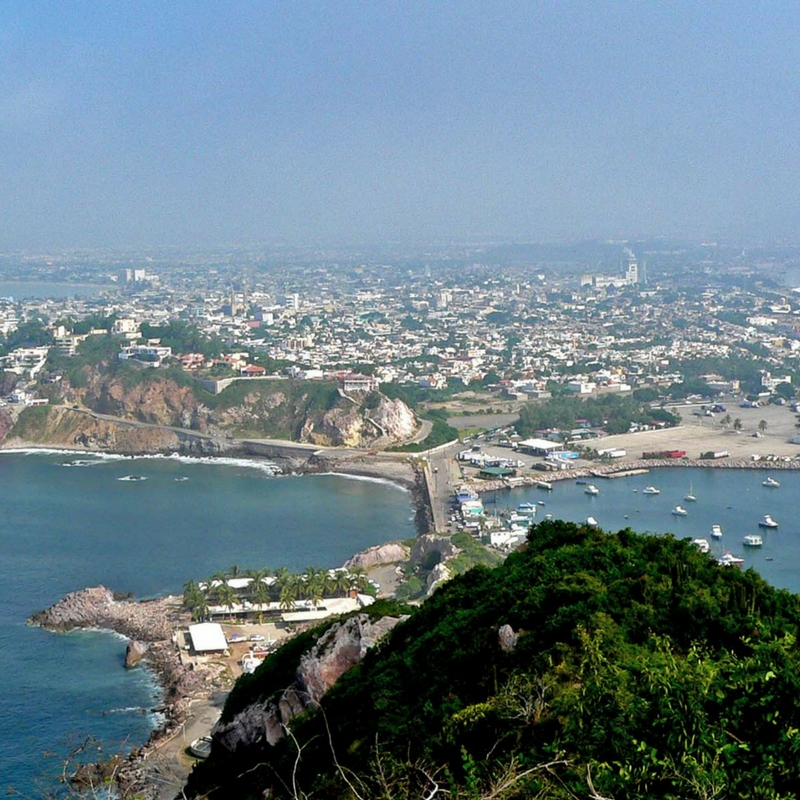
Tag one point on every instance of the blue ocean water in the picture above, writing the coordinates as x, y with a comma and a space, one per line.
732, 498
67, 521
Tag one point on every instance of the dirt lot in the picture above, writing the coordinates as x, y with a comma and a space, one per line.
699, 434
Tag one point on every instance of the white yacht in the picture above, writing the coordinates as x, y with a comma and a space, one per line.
591, 489
728, 559
767, 522
591, 522
544, 485
753, 540
770, 482
716, 531
651, 490
702, 545
679, 511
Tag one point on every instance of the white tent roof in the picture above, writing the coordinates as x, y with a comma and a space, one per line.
207, 636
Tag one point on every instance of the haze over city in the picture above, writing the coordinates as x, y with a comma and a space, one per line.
148, 124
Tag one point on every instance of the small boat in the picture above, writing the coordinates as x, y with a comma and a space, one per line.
591, 489
702, 545
770, 482
729, 560
591, 522
582, 481
201, 748
548, 516
540, 503
651, 490
767, 522
544, 485
690, 498
526, 509
132, 478
753, 540
181, 479
679, 511
716, 531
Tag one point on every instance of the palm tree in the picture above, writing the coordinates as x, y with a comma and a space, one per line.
287, 598
762, 426
737, 424
341, 582
233, 572
226, 597
725, 421
261, 596
282, 577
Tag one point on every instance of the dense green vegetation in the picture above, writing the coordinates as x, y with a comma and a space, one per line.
182, 337
613, 412
642, 670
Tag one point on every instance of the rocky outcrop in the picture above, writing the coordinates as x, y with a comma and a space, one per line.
134, 653
341, 647
99, 607
6, 423
431, 543
507, 638
389, 553
395, 418
437, 576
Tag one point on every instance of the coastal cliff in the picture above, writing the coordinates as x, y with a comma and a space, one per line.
164, 409
339, 649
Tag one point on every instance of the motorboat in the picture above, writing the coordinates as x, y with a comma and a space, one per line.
591, 489
753, 540
581, 481
770, 482
702, 545
548, 516
591, 522
201, 748
716, 531
728, 559
679, 511
767, 522
651, 490
132, 478
526, 509
544, 485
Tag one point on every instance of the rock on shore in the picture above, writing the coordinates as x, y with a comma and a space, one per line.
150, 625
99, 607
380, 554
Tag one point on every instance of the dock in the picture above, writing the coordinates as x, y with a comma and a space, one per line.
625, 473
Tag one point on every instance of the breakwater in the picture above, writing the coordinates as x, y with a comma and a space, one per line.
638, 467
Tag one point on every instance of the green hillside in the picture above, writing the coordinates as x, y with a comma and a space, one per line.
642, 669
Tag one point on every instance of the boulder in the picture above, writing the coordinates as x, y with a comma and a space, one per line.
134, 653
389, 553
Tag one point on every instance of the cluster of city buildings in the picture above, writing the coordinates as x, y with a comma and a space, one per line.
448, 322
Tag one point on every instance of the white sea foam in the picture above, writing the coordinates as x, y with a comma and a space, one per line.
368, 479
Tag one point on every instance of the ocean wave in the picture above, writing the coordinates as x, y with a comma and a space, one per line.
368, 479
268, 467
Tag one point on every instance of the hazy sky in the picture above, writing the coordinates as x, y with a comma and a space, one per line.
170, 122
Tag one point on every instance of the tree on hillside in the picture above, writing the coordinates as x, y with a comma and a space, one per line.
737, 424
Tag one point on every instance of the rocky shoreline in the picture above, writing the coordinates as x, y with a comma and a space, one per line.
151, 625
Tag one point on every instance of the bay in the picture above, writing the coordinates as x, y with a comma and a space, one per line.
732, 498
68, 521
27, 290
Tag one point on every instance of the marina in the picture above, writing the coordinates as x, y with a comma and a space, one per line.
730, 501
